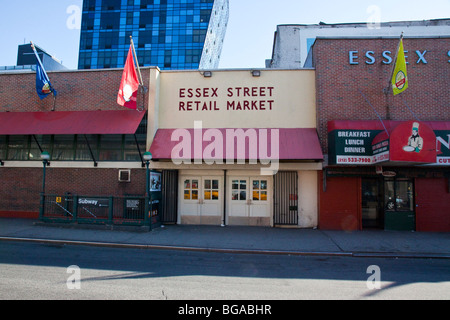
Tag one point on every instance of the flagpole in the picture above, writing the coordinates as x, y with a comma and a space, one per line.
38, 59
137, 61
45, 72
393, 66
139, 71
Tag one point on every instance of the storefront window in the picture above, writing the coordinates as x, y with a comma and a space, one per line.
131, 149
260, 190
84, 142
111, 147
239, 190
2, 147
190, 189
18, 147
211, 189
399, 195
42, 141
63, 147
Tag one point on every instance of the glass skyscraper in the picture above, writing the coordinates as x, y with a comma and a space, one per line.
170, 34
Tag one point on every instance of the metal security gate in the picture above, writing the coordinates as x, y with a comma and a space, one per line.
285, 198
169, 196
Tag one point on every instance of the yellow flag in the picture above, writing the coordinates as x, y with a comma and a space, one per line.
399, 79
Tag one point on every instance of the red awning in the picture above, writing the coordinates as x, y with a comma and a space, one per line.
293, 144
70, 122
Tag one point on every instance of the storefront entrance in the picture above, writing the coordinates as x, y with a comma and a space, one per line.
249, 200
372, 212
201, 200
387, 203
399, 209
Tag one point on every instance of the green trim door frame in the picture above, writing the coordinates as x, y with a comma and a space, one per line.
399, 205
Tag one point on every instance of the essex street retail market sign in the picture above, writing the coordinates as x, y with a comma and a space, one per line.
231, 99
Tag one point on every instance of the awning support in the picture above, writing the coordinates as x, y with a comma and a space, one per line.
90, 151
39, 146
37, 142
139, 150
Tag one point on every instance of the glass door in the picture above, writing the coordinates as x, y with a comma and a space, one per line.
239, 197
202, 199
371, 197
260, 200
248, 201
399, 204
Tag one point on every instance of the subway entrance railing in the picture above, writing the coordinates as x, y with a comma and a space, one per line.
106, 210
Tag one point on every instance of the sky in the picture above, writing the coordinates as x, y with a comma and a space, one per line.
54, 24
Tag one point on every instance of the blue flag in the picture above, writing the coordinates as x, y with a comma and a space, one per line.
43, 85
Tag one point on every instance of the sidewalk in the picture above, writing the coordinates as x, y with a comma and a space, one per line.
374, 243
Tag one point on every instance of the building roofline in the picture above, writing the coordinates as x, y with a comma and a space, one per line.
412, 23
379, 37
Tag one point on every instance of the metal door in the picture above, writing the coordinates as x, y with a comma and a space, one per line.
285, 198
169, 186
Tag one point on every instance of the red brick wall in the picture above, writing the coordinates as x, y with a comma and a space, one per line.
77, 91
21, 187
338, 83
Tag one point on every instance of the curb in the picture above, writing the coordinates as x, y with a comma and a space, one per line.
396, 255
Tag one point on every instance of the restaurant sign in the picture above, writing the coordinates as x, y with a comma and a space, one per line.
409, 142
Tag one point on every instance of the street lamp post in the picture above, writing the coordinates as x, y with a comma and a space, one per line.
45, 156
147, 157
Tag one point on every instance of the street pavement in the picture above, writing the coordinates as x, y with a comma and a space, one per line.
236, 239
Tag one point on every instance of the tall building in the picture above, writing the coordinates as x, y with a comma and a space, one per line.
170, 34
26, 60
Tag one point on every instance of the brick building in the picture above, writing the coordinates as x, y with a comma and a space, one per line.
89, 136
366, 182
263, 173
336, 111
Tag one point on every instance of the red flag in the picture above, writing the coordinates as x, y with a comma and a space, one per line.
129, 85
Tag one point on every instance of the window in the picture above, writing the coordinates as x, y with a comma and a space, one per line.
260, 190
211, 189
18, 147
191, 189
110, 20
44, 142
111, 147
131, 149
63, 147
84, 142
399, 195
2, 147
239, 190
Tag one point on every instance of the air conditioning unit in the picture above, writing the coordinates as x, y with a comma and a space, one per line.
124, 175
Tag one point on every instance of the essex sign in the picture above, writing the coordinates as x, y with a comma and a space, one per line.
370, 57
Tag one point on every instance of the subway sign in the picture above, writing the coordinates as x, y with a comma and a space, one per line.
400, 143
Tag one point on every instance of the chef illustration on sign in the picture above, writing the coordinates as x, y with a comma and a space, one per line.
415, 142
